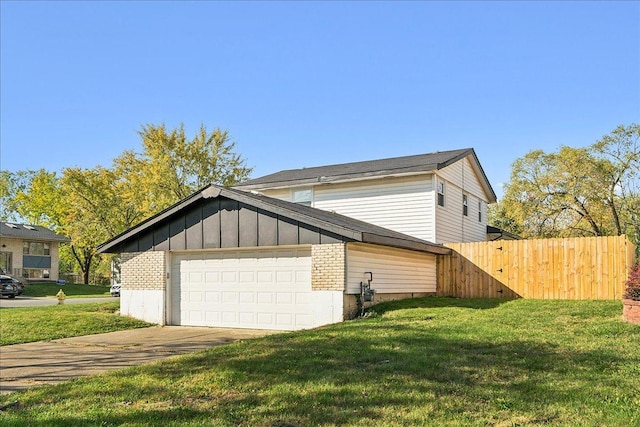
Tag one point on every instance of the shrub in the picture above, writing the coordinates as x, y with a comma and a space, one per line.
633, 284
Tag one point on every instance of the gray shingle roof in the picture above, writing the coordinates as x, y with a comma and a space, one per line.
325, 219
339, 224
397, 165
29, 232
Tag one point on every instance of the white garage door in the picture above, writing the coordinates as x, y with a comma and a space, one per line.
263, 289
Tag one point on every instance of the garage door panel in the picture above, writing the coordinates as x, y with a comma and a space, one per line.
212, 317
303, 276
303, 298
264, 297
264, 277
284, 276
264, 319
247, 318
305, 320
247, 297
247, 277
229, 317
229, 297
212, 297
212, 276
284, 298
229, 277
284, 319
269, 289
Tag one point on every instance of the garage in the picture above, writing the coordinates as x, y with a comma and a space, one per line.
229, 258
260, 289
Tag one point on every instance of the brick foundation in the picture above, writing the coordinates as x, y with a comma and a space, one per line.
631, 311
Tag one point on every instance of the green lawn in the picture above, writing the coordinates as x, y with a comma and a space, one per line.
20, 325
71, 290
425, 362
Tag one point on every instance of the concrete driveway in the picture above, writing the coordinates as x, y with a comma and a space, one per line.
49, 362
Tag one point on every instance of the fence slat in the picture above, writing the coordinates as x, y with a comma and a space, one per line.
570, 268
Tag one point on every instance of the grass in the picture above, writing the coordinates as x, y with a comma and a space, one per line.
21, 325
428, 362
71, 290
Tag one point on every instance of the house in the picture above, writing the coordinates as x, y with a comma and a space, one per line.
29, 251
439, 197
296, 249
495, 233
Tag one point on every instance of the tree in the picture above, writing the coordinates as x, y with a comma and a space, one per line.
92, 205
576, 191
12, 184
171, 167
40, 199
95, 212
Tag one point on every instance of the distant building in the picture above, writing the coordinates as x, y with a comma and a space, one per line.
29, 251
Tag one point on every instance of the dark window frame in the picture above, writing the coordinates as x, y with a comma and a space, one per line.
34, 248
441, 193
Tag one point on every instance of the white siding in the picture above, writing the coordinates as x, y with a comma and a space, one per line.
452, 226
409, 204
401, 204
278, 193
394, 270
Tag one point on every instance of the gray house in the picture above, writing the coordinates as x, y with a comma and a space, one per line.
303, 248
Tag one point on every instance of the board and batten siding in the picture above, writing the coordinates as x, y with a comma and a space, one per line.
401, 204
394, 270
460, 178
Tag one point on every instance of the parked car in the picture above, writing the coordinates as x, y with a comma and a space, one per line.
10, 287
115, 290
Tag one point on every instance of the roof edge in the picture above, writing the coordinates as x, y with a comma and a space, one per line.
109, 244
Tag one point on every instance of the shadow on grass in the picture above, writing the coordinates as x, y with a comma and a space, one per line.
438, 302
362, 373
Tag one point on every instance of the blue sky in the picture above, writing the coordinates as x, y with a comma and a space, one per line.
302, 84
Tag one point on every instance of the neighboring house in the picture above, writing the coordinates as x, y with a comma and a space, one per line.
300, 249
29, 251
495, 233
439, 197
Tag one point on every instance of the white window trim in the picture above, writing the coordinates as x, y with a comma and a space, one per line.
465, 204
441, 183
305, 202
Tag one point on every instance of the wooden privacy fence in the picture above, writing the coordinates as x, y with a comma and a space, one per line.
572, 268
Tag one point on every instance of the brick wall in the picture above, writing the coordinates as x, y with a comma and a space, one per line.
143, 270
328, 267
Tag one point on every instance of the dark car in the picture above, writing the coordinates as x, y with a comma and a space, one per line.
10, 287
19, 285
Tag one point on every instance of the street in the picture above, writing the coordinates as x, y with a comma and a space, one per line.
24, 301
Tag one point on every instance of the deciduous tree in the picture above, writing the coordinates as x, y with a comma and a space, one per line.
92, 205
592, 191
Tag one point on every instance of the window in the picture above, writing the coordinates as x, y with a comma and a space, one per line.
440, 193
5, 263
465, 205
479, 211
36, 273
302, 197
35, 248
